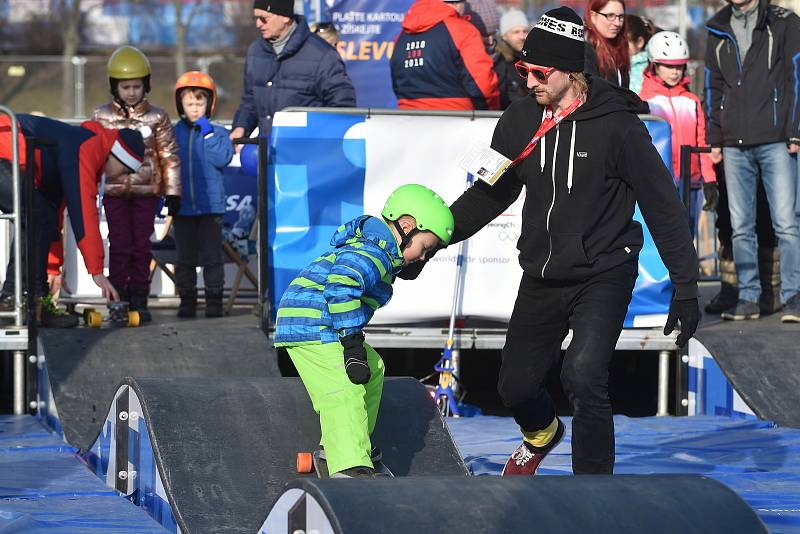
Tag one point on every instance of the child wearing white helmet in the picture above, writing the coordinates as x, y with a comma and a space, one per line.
665, 87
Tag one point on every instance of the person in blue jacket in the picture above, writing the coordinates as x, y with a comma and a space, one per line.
287, 66
205, 150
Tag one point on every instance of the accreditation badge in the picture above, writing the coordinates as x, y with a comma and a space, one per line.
485, 163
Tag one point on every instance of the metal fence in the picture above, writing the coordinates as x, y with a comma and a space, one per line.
36, 84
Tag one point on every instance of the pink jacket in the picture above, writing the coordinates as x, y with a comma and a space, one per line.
684, 112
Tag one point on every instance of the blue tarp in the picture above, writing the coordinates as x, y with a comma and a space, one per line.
45, 487
756, 459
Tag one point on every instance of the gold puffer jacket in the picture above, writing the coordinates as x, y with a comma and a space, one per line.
160, 173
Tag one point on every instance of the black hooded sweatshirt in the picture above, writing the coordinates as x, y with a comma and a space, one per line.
582, 182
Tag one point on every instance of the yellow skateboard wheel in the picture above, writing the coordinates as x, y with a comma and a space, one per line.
133, 318
93, 319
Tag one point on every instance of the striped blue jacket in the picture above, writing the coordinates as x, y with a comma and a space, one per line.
339, 292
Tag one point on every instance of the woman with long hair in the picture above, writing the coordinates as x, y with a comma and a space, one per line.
606, 45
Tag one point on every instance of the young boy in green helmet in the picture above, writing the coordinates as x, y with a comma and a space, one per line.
323, 311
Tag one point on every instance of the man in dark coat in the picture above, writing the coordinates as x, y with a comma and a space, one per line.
287, 66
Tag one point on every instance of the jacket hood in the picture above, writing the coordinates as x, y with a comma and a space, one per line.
639, 58
653, 84
373, 229
507, 52
425, 14
721, 21
296, 40
605, 98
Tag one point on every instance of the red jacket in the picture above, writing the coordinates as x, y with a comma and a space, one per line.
5, 141
71, 169
439, 62
684, 112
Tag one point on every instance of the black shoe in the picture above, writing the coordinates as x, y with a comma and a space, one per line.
744, 310
726, 298
53, 317
791, 310
770, 300
188, 306
7, 305
137, 297
6, 302
355, 472
214, 303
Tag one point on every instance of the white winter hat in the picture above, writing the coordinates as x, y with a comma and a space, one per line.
512, 19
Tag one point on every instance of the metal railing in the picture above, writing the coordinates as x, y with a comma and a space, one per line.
16, 219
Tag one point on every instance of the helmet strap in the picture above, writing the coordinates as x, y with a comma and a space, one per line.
405, 238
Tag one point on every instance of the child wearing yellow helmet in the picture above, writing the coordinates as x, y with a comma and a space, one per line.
131, 200
323, 312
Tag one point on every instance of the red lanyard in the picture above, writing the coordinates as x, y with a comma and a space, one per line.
550, 121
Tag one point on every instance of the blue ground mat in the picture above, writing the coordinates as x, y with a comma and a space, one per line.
45, 487
756, 459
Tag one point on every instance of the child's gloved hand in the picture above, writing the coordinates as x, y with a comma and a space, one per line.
355, 358
204, 125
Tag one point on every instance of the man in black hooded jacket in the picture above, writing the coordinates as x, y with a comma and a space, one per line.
579, 243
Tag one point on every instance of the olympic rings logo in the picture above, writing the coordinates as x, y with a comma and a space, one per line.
508, 236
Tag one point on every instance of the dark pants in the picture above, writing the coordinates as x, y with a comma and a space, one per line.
44, 232
595, 311
130, 225
198, 240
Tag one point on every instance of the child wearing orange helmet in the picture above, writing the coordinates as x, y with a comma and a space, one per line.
205, 150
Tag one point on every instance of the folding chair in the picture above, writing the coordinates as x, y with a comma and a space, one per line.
163, 252
241, 260
164, 256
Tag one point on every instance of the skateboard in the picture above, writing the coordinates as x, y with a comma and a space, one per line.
315, 462
119, 314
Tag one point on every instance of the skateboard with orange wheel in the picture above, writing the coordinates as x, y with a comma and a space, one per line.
315, 462
119, 314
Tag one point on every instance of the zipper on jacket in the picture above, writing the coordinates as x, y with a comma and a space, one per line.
191, 169
774, 106
553, 201
719, 33
769, 49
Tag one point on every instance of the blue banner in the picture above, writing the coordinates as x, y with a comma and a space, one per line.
368, 29
325, 169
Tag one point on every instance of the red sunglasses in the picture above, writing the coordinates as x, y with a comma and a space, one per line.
540, 73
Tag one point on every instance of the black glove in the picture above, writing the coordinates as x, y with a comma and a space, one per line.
355, 358
688, 313
173, 204
711, 192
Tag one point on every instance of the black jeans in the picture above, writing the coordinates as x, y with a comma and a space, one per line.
198, 240
45, 231
544, 311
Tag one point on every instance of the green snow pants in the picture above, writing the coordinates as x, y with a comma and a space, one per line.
347, 411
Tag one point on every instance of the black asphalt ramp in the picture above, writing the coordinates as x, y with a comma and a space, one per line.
225, 448
85, 365
761, 359
515, 505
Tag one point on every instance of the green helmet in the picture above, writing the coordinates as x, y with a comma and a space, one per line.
430, 211
127, 63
